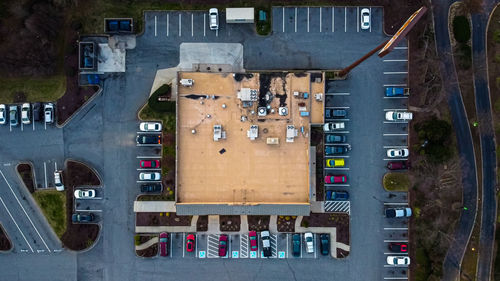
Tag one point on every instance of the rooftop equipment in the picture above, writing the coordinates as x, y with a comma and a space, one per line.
247, 94
291, 133
219, 133
253, 133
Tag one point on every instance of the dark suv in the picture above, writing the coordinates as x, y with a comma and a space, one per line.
82, 217
336, 149
398, 165
148, 139
151, 187
296, 245
335, 138
335, 113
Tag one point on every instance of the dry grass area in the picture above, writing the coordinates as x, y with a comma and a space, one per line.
236, 169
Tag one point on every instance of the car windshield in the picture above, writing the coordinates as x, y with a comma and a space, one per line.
163, 239
222, 243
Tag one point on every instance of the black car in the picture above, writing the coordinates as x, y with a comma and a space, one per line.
148, 139
296, 245
398, 247
37, 111
151, 187
335, 113
324, 243
82, 217
335, 138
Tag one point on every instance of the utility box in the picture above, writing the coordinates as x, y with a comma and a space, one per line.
240, 15
187, 82
87, 54
118, 25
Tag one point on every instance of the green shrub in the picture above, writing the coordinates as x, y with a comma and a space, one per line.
498, 82
496, 36
461, 29
162, 106
137, 240
465, 56
497, 58
435, 139
304, 223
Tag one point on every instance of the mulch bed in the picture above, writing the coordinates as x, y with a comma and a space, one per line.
26, 174
161, 219
229, 223
202, 223
286, 223
258, 223
152, 251
317, 139
78, 174
341, 253
339, 221
5, 244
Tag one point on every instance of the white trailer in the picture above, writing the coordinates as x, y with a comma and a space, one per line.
240, 15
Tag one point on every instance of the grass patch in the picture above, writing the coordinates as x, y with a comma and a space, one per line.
461, 29
263, 27
53, 205
396, 181
496, 36
160, 110
422, 270
496, 272
32, 89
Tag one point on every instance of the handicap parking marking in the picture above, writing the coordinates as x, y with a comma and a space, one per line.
235, 254
253, 254
202, 254
213, 246
244, 245
281, 254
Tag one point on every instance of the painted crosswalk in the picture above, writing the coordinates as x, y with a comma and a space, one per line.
338, 207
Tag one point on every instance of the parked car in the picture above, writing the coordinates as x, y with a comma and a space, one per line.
396, 92
266, 243
324, 240
398, 116
148, 139
84, 193
397, 212
398, 165
335, 178
163, 244
308, 238
335, 113
335, 138
3, 114
190, 239
334, 163
214, 18
398, 247
333, 126
26, 113
252, 236
336, 149
337, 195
398, 152
13, 115
150, 126
365, 18
37, 111
58, 180
296, 245
79, 217
398, 260
222, 245
149, 163
151, 187
48, 110
150, 176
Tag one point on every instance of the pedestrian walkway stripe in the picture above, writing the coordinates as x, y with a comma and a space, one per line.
338, 207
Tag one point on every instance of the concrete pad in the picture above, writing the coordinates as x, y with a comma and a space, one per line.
211, 53
154, 206
110, 60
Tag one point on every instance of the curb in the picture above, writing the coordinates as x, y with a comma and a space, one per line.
98, 92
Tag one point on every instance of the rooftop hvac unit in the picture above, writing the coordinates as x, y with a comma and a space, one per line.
283, 111
262, 111
219, 133
187, 82
247, 94
291, 133
274, 141
253, 133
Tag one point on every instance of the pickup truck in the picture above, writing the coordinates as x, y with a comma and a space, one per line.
398, 116
336, 149
396, 92
328, 127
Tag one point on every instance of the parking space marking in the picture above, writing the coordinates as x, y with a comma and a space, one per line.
244, 246
148, 144
370, 19
155, 26
391, 159
395, 146
394, 109
337, 119
395, 72
55, 166
405, 97
345, 19
338, 94
295, 19
337, 156
396, 203
45, 125
344, 169
212, 245
283, 18
340, 107
395, 278
45, 173
195, 245
146, 181
357, 15
167, 23
388, 265
180, 25
307, 19
22, 234
403, 254
338, 207
10, 127
333, 19
393, 135
395, 85
402, 60
138, 157
336, 185
204, 25
22, 126
401, 48
395, 122
320, 19
183, 244
342, 132
33, 124
396, 241
192, 28
216, 33
17, 199
395, 228
87, 210
287, 243
148, 169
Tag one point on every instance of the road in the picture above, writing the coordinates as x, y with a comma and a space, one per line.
461, 235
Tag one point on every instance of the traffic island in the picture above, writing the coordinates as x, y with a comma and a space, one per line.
25, 171
5, 244
202, 223
161, 219
146, 246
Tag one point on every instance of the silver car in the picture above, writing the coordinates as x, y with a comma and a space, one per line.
13, 115
3, 114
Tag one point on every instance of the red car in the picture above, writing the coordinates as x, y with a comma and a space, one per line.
398, 247
252, 235
163, 244
398, 165
222, 245
335, 179
190, 242
149, 163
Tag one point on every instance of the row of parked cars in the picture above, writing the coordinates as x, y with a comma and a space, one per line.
28, 114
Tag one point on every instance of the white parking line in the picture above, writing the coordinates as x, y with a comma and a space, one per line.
183, 244
87, 210
396, 241
22, 126
333, 19
400, 266
287, 243
283, 19
402, 254
204, 25
146, 181
320, 19
33, 124
45, 173
295, 19
342, 132
402, 60
357, 16
17, 199
148, 169
395, 85
396, 278
55, 166
338, 94
155, 26
404, 97
139, 157
192, 30
341, 107
167, 24
395, 146
401, 48
180, 25
395, 72
395, 109
171, 246
345, 169
307, 19
45, 125
395, 228
337, 156
396, 203
195, 245
395, 122
216, 33
316, 245
392, 159
10, 127
393, 135
338, 119
16, 225
370, 19
336, 185
345, 19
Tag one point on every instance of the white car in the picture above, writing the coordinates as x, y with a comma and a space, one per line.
398, 212
26, 113
48, 112
398, 260
150, 176
150, 126
398, 152
84, 193
328, 127
398, 116
308, 238
3, 114
365, 18
214, 18
58, 180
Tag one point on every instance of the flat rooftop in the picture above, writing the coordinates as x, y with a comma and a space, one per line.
234, 169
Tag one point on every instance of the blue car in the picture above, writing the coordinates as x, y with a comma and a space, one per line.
337, 195
396, 92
